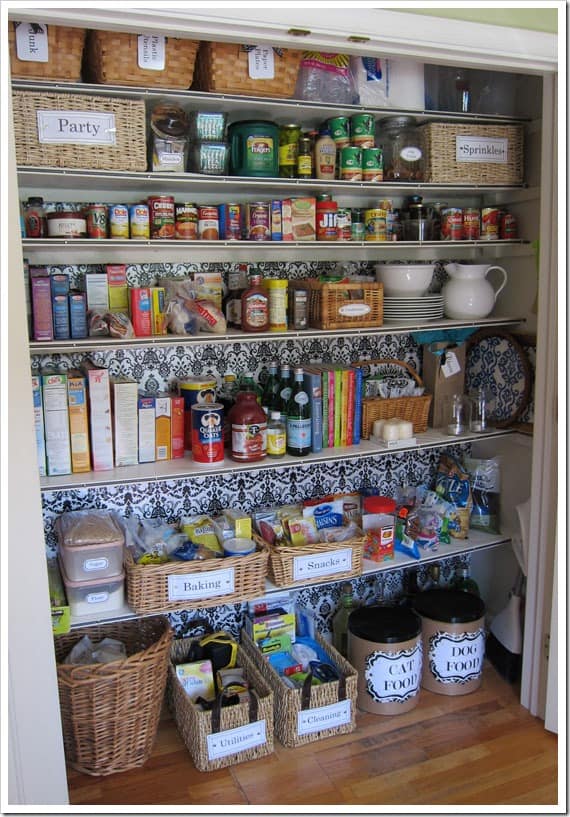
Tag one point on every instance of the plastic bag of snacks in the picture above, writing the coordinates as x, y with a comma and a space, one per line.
485, 478
452, 482
325, 77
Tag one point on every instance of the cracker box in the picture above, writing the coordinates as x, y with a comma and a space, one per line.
56, 423
100, 423
303, 218
118, 290
39, 423
147, 428
97, 289
163, 418
125, 417
177, 427
78, 315
77, 399
60, 312
140, 311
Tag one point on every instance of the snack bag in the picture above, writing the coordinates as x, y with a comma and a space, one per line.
453, 484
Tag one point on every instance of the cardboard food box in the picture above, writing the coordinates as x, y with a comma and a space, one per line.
443, 375
303, 218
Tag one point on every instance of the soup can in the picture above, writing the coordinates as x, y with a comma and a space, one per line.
372, 165
471, 224
452, 224
362, 128
162, 219
118, 221
339, 127
230, 221
375, 225
351, 164
208, 223
344, 224
97, 221
194, 390
186, 221
258, 221
490, 223
140, 221
508, 226
207, 433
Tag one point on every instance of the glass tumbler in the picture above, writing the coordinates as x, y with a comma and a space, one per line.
481, 403
457, 409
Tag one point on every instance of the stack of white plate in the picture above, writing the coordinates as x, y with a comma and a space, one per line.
413, 310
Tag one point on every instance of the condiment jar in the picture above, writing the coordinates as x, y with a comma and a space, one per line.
326, 220
35, 218
66, 224
325, 155
403, 148
248, 425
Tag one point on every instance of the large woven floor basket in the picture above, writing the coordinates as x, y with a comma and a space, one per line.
224, 69
111, 58
65, 51
110, 712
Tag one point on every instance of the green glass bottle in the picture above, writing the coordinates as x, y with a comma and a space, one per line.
340, 619
247, 383
463, 581
298, 417
284, 390
269, 396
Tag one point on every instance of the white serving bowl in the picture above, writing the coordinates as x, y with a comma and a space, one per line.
404, 280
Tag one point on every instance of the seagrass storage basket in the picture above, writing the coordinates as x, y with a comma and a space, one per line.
190, 585
412, 409
338, 560
65, 51
110, 712
206, 733
112, 58
123, 119
224, 69
332, 703
343, 306
473, 154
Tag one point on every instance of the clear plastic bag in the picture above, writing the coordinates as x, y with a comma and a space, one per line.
325, 77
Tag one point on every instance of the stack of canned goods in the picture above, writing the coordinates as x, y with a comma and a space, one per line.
472, 224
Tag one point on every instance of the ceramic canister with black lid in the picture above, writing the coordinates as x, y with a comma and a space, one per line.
384, 645
453, 636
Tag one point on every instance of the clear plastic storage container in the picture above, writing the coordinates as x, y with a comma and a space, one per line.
96, 596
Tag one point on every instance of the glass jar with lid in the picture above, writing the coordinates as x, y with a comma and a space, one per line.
403, 144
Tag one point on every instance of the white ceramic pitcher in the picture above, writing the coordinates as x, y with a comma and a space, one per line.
468, 294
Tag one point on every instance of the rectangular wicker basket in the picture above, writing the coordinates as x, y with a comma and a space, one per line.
291, 703
127, 154
343, 306
441, 165
282, 561
412, 409
148, 585
223, 68
196, 726
65, 52
110, 712
111, 58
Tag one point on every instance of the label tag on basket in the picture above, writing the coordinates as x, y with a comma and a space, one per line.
76, 127
31, 42
322, 564
192, 586
481, 149
451, 365
261, 60
152, 51
235, 740
323, 717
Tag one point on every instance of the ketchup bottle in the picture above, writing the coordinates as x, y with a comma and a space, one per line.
248, 424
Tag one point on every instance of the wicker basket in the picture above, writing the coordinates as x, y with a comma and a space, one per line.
148, 586
110, 712
413, 409
343, 306
65, 51
290, 703
224, 69
441, 159
284, 570
196, 726
111, 58
127, 154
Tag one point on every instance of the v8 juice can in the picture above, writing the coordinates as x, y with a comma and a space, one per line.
207, 433
96, 217
201, 390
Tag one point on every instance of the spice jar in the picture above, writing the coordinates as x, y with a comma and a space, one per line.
403, 148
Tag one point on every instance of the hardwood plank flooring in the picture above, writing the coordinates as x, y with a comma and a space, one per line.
478, 749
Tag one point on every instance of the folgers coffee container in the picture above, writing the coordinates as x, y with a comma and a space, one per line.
453, 637
254, 148
207, 433
201, 390
384, 645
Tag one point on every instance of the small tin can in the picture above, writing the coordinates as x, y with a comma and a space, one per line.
375, 225
258, 221
207, 433
508, 226
276, 220
186, 221
362, 127
343, 224
490, 223
161, 213
208, 223
471, 224
230, 221
351, 164
340, 131
357, 224
97, 221
140, 221
201, 390
118, 221
372, 165
452, 224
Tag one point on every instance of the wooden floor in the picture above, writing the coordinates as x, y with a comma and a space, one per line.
477, 749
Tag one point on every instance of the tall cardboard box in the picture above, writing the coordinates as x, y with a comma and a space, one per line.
443, 375
77, 398
39, 422
56, 422
163, 441
125, 395
147, 428
100, 416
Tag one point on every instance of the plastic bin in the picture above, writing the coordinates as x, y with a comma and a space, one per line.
97, 596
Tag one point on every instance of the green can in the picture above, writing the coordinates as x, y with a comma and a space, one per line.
372, 165
351, 164
357, 224
339, 127
362, 130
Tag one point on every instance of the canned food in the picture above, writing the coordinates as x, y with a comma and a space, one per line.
452, 224
140, 221
186, 221
118, 221
96, 217
339, 127
277, 291
208, 223
362, 126
508, 226
201, 390
276, 220
161, 214
230, 221
207, 433
375, 224
372, 165
343, 224
258, 221
471, 224
351, 164
490, 223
